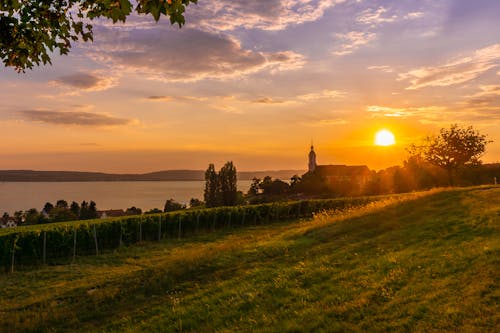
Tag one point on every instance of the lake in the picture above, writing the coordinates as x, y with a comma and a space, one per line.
107, 195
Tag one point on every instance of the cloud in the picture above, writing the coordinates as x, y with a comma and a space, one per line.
166, 98
413, 15
375, 16
73, 118
456, 71
86, 81
189, 55
424, 112
330, 94
226, 15
326, 122
353, 40
382, 68
268, 100
489, 95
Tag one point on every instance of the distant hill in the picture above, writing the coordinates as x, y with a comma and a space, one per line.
167, 175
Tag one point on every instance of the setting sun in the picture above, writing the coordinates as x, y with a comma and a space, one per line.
384, 138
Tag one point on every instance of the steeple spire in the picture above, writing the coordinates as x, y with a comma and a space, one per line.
312, 158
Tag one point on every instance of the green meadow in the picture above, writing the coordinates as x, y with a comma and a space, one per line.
424, 262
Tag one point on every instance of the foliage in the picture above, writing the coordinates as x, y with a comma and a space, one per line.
211, 193
172, 205
221, 188
428, 265
452, 149
228, 186
195, 203
112, 233
31, 30
133, 211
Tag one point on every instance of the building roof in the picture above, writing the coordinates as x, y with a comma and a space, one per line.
112, 212
342, 170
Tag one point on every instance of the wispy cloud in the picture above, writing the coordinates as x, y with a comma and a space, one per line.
268, 100
86, 81
423, 111
190, 55
375, 16
73, 118
225, 15
352, 41
330, 94
382, 68
167, 98
489, 95
456, 71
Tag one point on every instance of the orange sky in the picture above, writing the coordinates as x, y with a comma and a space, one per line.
256, 87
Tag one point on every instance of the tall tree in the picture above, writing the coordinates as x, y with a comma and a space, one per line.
452, 149
30, 30
211, 194
228, 184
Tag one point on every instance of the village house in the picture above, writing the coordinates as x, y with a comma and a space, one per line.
104, 214
8, 222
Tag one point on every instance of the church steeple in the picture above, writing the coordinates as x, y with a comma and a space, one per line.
312, 159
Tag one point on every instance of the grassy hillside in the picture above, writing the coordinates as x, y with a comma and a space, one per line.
425, 264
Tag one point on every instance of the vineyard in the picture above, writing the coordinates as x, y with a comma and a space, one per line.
51, 243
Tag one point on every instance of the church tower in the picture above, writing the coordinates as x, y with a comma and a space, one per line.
312, 159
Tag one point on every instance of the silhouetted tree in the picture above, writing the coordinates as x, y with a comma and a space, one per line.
452, 149
211, 194
228, 186
254, 186
194, 202
47, 208
75, 208
172, 205
133, 211
62, 204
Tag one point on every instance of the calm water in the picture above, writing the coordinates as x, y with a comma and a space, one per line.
108, 195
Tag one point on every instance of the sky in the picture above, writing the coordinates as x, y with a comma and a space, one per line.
255, 82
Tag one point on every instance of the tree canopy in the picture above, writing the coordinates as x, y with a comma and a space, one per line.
30, 30
452, 149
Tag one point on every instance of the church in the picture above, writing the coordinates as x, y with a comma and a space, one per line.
345, 179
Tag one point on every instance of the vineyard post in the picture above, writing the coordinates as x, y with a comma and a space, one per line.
298, 210
95, 241
288, 212
243, 218
44, 247
213, 221
74, 245
159, 228
197, 223
180, 221
140, 230
229, 220
121, 234
13, 254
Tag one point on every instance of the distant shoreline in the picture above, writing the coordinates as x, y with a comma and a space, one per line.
167, 175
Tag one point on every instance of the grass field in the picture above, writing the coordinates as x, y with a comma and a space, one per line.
429, 262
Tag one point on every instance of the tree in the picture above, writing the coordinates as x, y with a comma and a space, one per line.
75, 208
254, 187
47, 208
211, 194
172, 205
62, 204
195, 202
452, 149
30, 30
228, 186
133, 211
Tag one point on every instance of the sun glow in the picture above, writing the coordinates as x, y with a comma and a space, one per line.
384, 138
